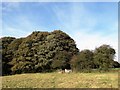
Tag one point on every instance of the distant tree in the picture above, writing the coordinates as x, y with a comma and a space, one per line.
104, 56
83, 61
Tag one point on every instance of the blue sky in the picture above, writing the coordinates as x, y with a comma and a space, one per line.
90, 24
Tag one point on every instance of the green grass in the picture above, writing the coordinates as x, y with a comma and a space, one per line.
57, 80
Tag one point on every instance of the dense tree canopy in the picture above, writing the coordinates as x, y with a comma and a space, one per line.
48, 51
38, 52
116, 64
82, 61
6, 54
104, 57
101, 58
61, 60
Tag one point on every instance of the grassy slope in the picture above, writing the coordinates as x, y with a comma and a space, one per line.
57, 80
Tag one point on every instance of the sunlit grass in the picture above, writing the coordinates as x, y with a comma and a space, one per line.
57, 80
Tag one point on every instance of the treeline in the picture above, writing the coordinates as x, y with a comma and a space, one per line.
48, 51
102, 59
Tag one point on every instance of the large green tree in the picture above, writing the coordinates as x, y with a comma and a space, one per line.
39, 52
104, 57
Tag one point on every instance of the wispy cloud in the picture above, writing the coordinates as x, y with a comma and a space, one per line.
86, 28
7, 7
89, 24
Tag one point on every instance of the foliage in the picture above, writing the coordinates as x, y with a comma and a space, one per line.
47, 51
83, 61
6, 54
101, 58
61, 60
37, 52
104, 57
116, 64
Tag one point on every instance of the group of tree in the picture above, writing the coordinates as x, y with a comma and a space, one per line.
102, 58
48, 51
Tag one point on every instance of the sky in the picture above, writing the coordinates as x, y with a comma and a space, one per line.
90, 24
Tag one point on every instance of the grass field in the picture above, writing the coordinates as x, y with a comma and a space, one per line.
57, 80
